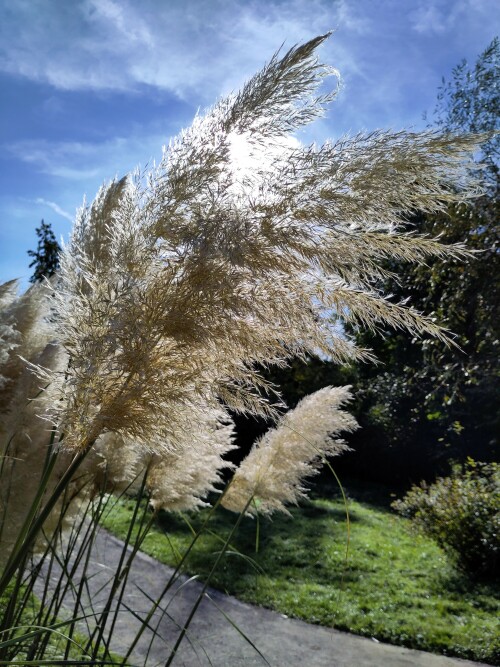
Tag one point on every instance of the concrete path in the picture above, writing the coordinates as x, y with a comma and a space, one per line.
212, 640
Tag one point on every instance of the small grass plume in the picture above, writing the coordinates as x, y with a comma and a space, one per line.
271, 475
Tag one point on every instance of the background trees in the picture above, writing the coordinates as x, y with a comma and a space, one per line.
432, 403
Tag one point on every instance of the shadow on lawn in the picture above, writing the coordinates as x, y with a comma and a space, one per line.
378, 496
293, 544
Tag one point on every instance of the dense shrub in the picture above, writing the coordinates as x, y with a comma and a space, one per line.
462, 512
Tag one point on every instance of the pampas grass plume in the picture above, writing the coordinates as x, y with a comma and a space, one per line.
272, 474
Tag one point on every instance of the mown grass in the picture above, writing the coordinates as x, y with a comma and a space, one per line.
394, 585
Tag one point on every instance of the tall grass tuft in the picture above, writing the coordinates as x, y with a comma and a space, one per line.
241, 248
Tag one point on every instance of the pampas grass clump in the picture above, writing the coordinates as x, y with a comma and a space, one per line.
178, 282
241, 248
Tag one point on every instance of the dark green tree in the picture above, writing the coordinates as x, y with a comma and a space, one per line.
46, 256
431, 403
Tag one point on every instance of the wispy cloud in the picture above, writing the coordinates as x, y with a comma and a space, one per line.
69, 160
55, 207
433, 18
84, 162
196, 46
437, 17
198, 50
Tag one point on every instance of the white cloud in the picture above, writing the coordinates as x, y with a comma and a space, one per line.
430, 20
55, 207
70, 160
199, 49
353, 18
126, 21
194, 47
437, 17
84, 162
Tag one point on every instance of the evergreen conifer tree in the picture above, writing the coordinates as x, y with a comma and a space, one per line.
46, 256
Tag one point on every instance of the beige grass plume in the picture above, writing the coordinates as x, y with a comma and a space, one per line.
27, 337
179, 479
273, 472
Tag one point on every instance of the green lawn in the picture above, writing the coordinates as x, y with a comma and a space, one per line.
395, 586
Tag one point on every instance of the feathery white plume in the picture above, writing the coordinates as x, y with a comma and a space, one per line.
272, 474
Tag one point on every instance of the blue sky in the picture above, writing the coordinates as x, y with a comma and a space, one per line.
92, 88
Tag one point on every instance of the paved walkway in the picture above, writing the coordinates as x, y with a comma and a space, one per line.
212, 640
